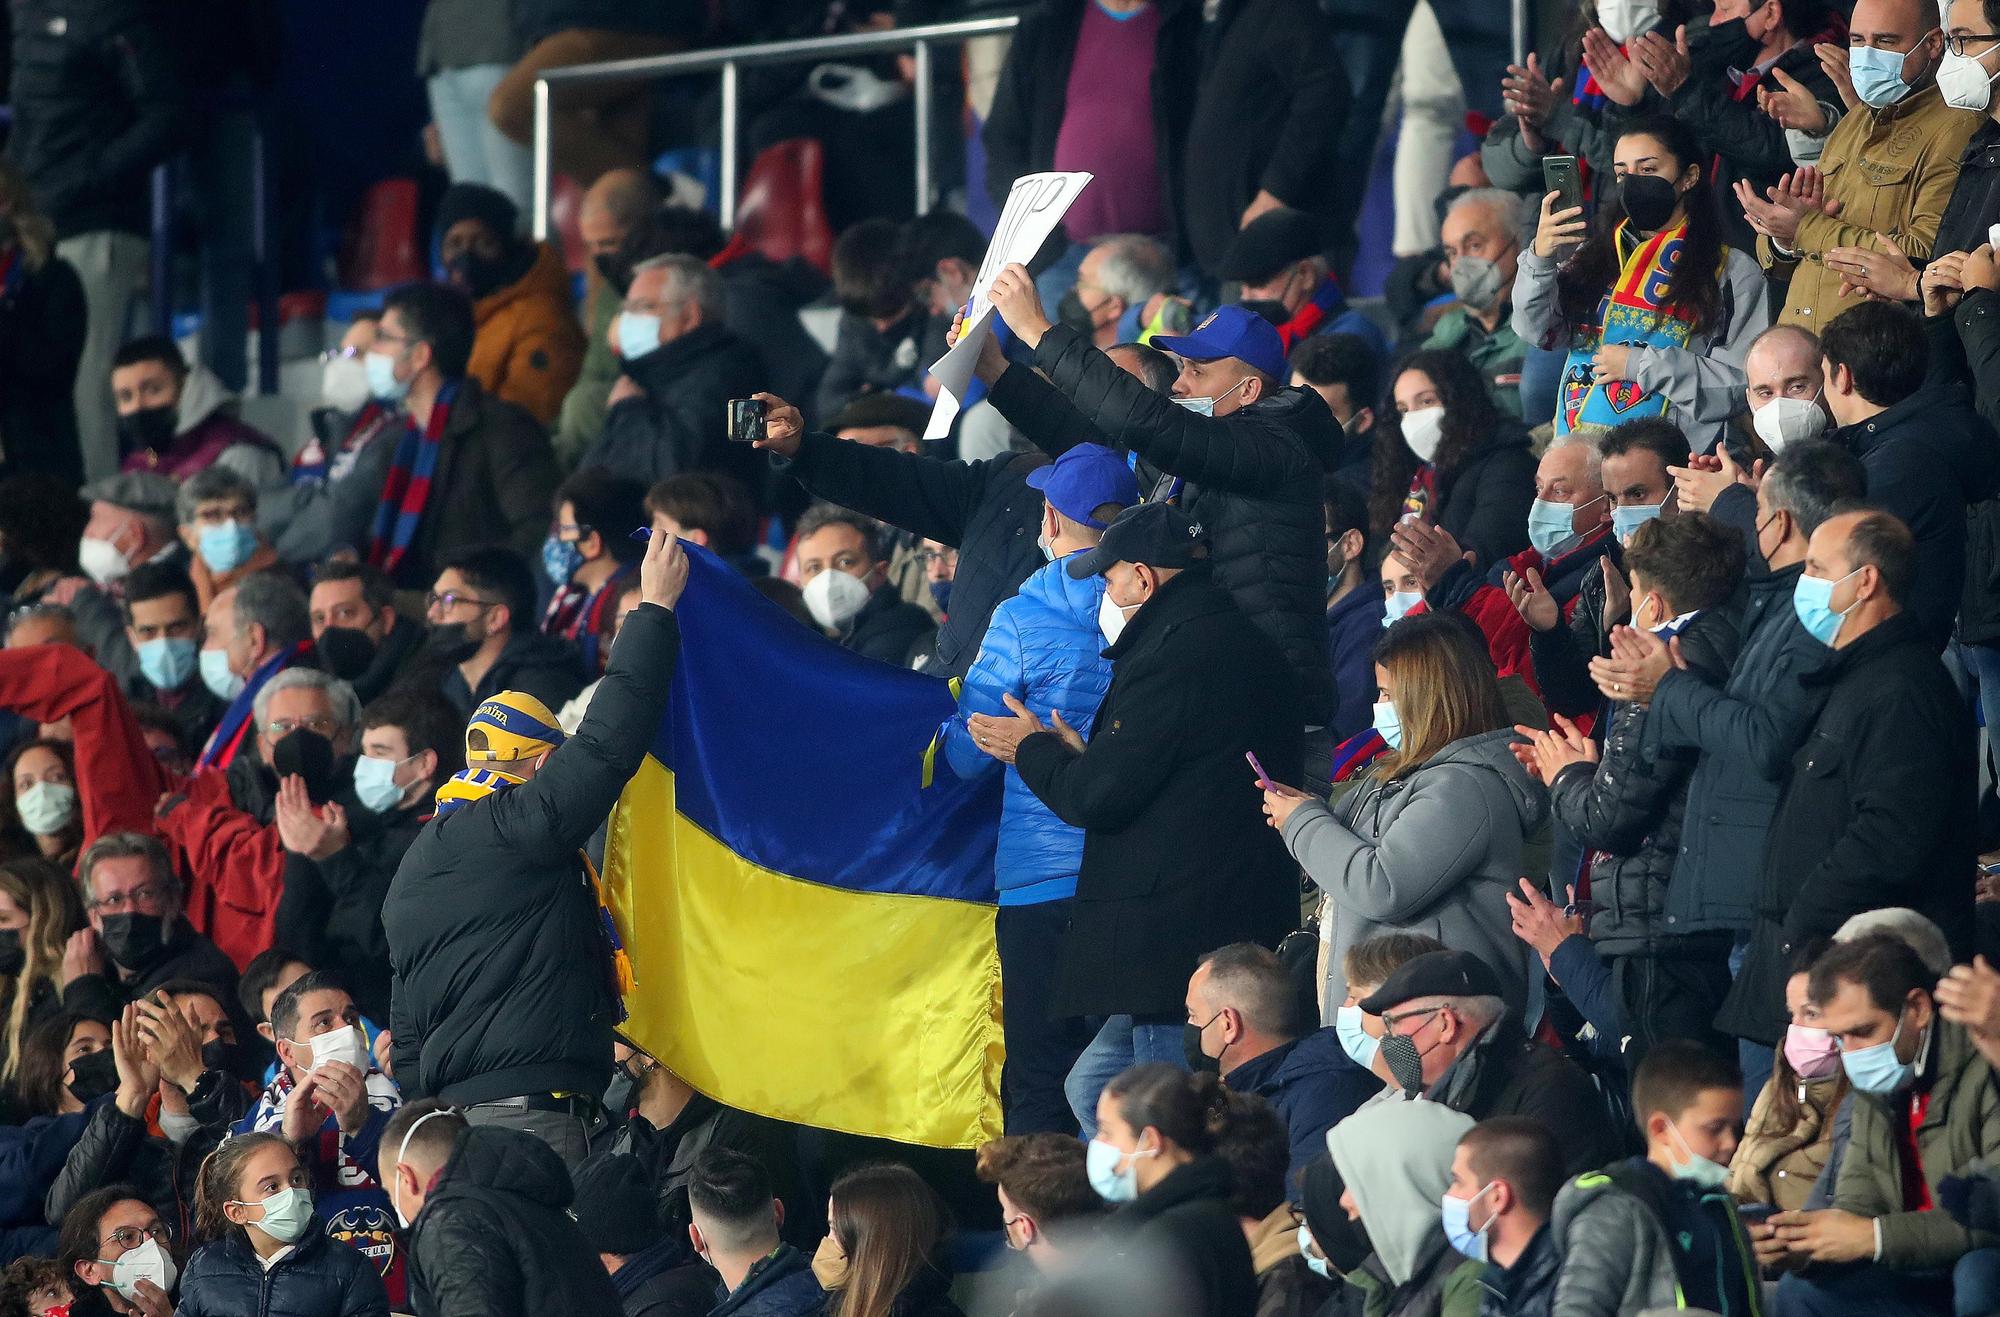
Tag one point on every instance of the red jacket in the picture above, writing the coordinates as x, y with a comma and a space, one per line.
232, 865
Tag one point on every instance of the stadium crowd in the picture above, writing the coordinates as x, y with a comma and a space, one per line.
1493, 782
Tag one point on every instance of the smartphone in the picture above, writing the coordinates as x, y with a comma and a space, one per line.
1263, 778
1560, 175
1752, 1213
746, 420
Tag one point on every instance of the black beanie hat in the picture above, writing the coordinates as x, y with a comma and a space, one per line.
476, 201
615, 1207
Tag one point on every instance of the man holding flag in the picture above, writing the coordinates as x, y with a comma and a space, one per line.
508, 972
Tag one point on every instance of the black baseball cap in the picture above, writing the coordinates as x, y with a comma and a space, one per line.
1435, 974
1272, 241
1156, 534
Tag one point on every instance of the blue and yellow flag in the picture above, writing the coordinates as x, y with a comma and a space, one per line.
810, 924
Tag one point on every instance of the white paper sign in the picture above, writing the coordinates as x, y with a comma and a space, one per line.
1035, 205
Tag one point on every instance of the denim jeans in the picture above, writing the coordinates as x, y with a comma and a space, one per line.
474, 150
1040, 1049
1864, 1289
1541, 380
1122, 1043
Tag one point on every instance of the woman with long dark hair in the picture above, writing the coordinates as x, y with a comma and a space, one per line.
39, 909
1655, 310
39, 812
1446, 454
882, 1255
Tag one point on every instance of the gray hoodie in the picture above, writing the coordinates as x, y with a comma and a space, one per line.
1395, 1159
1436, 853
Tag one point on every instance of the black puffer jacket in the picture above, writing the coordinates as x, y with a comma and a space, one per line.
985, 510
544, 666
331, 909
1628, 806
496, 1238
117, 1149
1186, 1220
889, 629
1484, 504
502, 979
1975, 198
317, 1279
1253, 480
680, 424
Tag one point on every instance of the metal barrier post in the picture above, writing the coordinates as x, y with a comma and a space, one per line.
269, 327
1520, 30
923, 116
541, 200
726, 207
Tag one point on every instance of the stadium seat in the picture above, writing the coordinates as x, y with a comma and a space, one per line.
783, 211
382, 249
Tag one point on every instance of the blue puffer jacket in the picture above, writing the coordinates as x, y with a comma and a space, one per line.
1043, 648
318, 1279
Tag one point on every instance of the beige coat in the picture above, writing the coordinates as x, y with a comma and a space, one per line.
1778, 1165
1892, 172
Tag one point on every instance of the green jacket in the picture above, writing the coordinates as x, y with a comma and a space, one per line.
1496, 355
1447, 1285
1963, 1122
581, 419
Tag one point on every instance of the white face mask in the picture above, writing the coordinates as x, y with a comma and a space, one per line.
1625, 19
1784, 421
833, 598
343, 383
102, 560
340, 1043
1423, 431
1111, 619
147, 1262
1964, 83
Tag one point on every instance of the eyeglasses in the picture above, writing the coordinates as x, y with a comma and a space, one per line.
577, 529
435, 602
929, 556
1391, 1021
278, 728
1957, 42
129, 1237
346, 353
145, 894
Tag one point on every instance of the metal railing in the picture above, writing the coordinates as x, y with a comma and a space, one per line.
730, 60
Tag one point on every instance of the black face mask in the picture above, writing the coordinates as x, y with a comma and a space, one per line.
1198, 1061
219, 1055
93, 1075
311, 756
1649, 200
1273, 312
615, 268
1072, 312
135, 942
149, 427
1406, 1064
13, 956
1722, 46
453, 642
345, 652
477, 275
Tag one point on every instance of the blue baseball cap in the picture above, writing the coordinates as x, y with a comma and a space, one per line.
1083, 480
1231, 331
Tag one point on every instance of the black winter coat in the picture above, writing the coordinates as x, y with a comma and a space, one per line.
1977, 321
1526, 1289
97, 100
317, 1279
1253, 481
331, 910
1505, 1074
1745, 733
1030, 98
1562, 654
1484, 504
1628, 806
1929, 458
682, 421
188, 955
116, 1149
495, 1238
668, 1156
1975, 198
1748, 144
761, 302
870, 360
1268, 108
985, 510
1186, 1220
1177, 857
546, 667
890, 630
503, 984
1879, 811
41, 340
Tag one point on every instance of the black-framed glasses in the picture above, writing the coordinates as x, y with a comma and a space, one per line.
144, 894
451, 599
1389, 1022
278, 728
130, 1237
1956, 42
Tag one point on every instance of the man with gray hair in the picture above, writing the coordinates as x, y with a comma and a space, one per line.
680, 366
217, 508
1482, 244
139, 937
250, 633
1447, 1038
1122, 288
1243, 1003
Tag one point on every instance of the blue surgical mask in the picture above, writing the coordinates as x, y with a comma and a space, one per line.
1399, 604
1625, 520
167, 661
1550, 523
1812, 600
1878, 1070
215, 674
560, 559
1389, 725
1877, 75
637, 335
1697, 1170
1048, 549
1456, 1214
375, 783
1316, 1264
1360, 1045
1100, 1163
383, 385
226, 547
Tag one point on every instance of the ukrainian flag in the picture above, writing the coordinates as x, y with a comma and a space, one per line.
809, 911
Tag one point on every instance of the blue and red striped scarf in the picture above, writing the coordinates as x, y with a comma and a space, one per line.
229, 734
1326, 303
407, 488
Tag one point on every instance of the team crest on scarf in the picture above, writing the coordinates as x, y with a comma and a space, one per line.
1633, 314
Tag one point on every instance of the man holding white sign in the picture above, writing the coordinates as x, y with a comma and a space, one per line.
1248, 451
